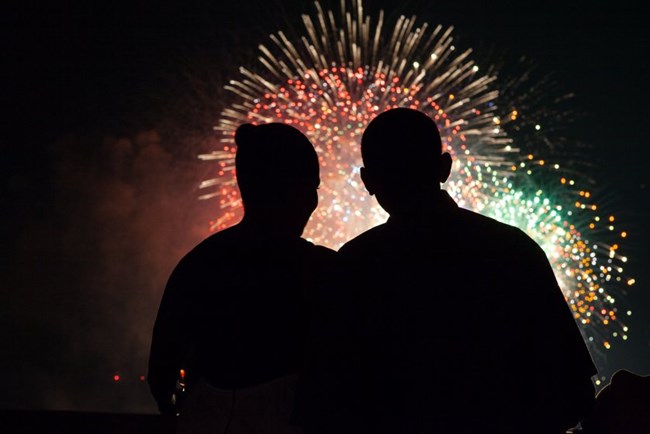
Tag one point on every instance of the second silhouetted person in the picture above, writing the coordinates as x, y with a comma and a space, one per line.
460, 325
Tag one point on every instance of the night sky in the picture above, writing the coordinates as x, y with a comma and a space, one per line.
106, 106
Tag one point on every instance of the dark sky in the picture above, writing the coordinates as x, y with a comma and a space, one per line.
107, 104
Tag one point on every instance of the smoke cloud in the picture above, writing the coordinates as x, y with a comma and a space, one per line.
94, 239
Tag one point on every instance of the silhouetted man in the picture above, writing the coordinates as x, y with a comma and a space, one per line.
461, 325
233, 312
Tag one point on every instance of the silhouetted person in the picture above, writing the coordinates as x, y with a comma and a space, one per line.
233, 313
461, 325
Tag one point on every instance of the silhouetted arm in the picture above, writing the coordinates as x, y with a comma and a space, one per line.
171, 337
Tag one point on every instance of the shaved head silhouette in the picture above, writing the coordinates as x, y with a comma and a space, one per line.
401, 137
403, 159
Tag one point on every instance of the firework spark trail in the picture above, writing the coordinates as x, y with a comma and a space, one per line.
344, 71
332, 101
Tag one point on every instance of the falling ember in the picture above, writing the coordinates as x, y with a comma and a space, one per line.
343, 71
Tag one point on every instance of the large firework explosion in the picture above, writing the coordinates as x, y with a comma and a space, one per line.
346, 69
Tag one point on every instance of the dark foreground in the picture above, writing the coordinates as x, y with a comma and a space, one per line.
72, 422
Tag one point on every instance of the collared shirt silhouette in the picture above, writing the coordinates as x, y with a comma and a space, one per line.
460, 325
234, 311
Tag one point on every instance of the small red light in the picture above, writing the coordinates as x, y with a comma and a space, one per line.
116, 377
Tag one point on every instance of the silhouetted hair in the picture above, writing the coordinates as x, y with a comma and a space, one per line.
401, 136
273, 154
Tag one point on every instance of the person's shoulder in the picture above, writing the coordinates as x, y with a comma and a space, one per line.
320, 262
479, 225
318, 250
209, 243
503, 239
370, 239
325, 252
483, 222
209, 247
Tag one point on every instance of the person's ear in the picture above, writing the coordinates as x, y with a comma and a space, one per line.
445, 167
367, 181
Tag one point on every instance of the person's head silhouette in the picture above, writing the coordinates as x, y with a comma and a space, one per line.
277, 173
403, 160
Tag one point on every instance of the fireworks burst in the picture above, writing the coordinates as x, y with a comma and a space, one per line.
344, 70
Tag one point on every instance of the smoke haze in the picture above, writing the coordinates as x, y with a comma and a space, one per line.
90, 260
